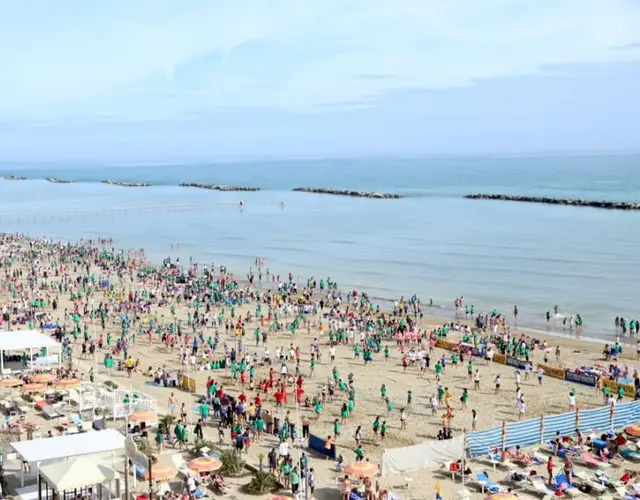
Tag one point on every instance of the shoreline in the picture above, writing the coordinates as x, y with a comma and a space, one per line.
435, 313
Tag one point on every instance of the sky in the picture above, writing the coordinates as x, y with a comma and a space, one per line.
153, 80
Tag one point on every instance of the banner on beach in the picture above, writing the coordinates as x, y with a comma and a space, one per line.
580, 378
551, 371
500, 358
188, 384
629, 390
518, 363
444, 344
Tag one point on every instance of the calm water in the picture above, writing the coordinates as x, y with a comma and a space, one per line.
433, 243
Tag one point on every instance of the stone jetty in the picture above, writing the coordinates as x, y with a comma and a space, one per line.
571, 202
58, 181
349, 192
14, 178
126, 184
218, 187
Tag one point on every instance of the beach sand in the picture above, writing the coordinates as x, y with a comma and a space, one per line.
550, 398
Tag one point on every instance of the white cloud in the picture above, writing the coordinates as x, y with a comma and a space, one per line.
75, 58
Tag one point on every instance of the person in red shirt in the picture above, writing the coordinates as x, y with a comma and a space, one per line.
242, 397
258, 401
550, 465
299, 394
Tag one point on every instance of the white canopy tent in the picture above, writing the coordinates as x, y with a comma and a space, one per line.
72, 445
26, 340
68, 476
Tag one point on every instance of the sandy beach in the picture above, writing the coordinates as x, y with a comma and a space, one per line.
172, 306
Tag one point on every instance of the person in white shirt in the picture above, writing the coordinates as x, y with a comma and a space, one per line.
521, 407
283, 449
191, 485
572, 401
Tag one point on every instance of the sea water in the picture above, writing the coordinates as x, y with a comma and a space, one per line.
433, 243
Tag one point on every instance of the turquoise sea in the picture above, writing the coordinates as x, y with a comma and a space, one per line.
433, 242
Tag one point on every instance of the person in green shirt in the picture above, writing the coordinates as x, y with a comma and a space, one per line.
409, 399
359, 454
295, 481
376, 427
383, 391
286, 470
336, 428
383, 430
620, 394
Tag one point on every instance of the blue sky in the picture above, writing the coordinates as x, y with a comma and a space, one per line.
165, 79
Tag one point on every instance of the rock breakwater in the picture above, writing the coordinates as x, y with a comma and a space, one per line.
349, 192
572, 202
218, 187
126, 184
58, 181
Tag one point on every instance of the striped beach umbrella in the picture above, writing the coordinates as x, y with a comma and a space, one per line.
204, 464
11, 382
34, 387
161, 472
142, 416
361, 469
68, 383
43, 378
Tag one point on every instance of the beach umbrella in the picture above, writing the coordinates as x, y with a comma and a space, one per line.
633, 430
204, 464
281, 498
34, 387
11, 382
142, 416
68, 383
361, 469
43, 377
161, 472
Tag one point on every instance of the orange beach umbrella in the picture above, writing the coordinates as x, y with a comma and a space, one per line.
68, 383
361, 469
142, 416
34, 387
161, 472
11, 382
43, 378
204, 464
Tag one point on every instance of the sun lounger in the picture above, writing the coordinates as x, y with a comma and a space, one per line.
538, 485
50, 411
607, 480
562, 484
485, 483
590, 481
592, 462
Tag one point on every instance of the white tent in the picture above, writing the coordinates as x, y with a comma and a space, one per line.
76, 473
26, 340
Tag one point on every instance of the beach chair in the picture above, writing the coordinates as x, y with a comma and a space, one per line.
592, 482
622, 492
538, 485
561, 483
592, 462
50, 412
485, 483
